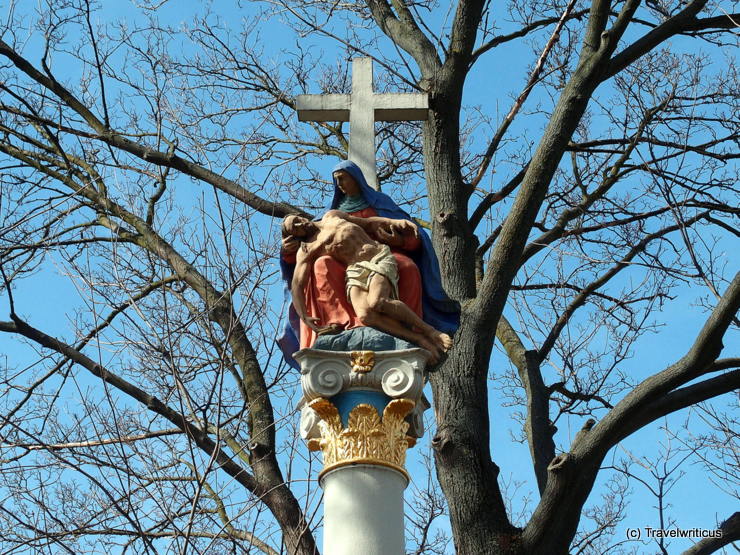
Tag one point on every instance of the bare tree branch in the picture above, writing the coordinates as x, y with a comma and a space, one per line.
116, 139
730, 532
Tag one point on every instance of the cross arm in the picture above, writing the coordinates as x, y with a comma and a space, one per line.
323, 107
401, 107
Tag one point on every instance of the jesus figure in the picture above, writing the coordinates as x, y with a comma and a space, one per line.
371, 275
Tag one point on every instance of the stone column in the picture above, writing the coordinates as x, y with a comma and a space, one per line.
362, 410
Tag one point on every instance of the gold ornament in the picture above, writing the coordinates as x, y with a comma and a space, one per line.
362, 361
367, 438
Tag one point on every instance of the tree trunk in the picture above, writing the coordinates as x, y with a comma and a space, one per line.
465, 470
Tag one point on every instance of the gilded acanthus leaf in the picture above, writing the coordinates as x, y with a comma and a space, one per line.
367, 437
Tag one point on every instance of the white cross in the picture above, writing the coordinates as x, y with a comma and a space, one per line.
362, 109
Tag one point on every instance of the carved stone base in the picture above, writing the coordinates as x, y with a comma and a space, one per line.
397, 374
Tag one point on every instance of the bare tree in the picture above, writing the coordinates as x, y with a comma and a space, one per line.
149, 160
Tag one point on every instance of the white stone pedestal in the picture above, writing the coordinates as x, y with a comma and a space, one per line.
363, 410
363, 510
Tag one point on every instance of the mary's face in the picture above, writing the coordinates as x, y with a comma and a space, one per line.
346, 183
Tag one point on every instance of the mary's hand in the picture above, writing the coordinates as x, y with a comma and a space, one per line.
406, 228
290, 245
389, 236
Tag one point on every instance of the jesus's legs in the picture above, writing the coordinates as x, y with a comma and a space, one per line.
379, 300
376, 308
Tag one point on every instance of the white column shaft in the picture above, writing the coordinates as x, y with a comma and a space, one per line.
363, 511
